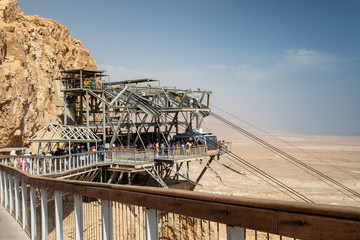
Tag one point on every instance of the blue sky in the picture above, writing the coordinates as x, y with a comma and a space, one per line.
282, 65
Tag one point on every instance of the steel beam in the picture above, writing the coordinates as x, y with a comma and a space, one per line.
58, 215
1, 187
87, 116
17, 202
24, 205
44, 214
6, 190
11, 193
235, 233
78, 217
151, 218
33, 212
107, 226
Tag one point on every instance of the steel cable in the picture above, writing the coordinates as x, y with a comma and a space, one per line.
289, 158
269, 179
262, 130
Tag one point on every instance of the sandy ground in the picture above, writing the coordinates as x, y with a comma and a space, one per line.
334, 156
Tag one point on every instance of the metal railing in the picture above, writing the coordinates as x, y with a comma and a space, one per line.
225, 147
181, 153
132, 156
42, 165
74, 83
49, 208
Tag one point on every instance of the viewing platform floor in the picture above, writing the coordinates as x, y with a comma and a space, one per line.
10, 229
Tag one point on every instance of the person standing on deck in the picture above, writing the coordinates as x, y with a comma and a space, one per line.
157, 147
162, 146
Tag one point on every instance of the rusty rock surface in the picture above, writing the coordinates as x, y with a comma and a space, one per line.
33, 51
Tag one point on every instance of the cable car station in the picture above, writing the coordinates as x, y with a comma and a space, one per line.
150, 129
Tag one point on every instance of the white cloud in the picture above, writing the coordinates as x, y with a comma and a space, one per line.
307, 59
218, 66
292, 64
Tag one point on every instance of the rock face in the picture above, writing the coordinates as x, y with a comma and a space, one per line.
33, 51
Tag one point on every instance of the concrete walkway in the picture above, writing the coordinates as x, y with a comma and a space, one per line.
9, 228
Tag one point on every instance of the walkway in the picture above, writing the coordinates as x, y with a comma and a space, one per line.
10, 229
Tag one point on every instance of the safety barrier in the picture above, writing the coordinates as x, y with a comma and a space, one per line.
62, 209
132, 156
225, 147
42, 165
181, 153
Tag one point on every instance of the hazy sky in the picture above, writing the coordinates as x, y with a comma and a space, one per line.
282, 65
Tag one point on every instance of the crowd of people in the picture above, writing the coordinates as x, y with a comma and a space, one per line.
29, 159
174, 147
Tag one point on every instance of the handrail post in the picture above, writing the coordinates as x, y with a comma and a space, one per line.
24, 204
38, 166
78, 217
33, 211
58, 215
235, 233
17, 202
11, 193
152, 231
1, 187
6, 190
44, 214
50, 165
23, 163
106, 212
44, 165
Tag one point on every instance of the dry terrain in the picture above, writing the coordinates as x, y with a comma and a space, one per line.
336, 157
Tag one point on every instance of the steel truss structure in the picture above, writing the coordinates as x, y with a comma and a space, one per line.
132, 113
55, 135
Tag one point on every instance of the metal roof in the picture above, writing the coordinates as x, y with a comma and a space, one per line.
84, 71
64, 133
143, 80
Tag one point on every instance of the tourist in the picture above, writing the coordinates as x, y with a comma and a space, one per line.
37, 164
162, 146
47, 160
27, 161
173, 148
157, 148
101, 148
13, 160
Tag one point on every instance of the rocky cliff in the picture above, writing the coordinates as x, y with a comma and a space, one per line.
33, 51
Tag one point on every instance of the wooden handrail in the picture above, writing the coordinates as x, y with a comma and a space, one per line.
293, 219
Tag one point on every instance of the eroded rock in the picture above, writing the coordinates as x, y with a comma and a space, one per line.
33, 51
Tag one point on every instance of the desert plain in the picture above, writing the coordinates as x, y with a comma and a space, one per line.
337, 157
